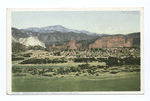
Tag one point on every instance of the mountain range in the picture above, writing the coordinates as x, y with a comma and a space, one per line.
57, 28
59, 35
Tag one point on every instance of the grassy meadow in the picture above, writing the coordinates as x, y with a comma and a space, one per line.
117, 82
122, 81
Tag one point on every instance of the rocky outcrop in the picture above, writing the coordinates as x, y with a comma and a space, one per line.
29, 41
113, 41
73, 44
53, 46
129, 42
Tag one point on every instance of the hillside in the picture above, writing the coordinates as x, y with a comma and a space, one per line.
60, 35
60, 38
29, 41
55, 37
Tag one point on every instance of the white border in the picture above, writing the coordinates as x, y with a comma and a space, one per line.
9, 10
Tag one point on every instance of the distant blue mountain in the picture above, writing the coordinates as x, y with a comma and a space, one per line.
58, 28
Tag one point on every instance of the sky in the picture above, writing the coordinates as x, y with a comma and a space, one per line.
100, 22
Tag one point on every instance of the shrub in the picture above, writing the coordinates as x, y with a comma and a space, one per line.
77, 74
97, 74
89, 71
113, 72
102, 59
49, 75
78, 69
98, 66
60, 70
84, 59
137, 69
84, 66
67, 71
131, 70
15, 70
27, 55
114, 68
93, 68
73, 69
131, 60
54, 74
92, 73
17, 58
112, 61
20, 75
55, 71
40, 72
83, 71
50, 69
105, 71
105, 68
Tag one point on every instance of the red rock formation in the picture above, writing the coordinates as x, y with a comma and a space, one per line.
53, 46
73, 44
129, 42
79, 45
109, 42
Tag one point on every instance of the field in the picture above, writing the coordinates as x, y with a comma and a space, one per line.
111, 82
87, 75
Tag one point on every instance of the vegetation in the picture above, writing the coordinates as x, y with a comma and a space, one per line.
17, 47
21, 56
17, 58
47, 78
51, 71
84, 68
36, 47
43, 61
98, 83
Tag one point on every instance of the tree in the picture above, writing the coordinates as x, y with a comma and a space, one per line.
17, 47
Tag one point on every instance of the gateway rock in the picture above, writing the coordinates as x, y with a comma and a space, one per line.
113, 41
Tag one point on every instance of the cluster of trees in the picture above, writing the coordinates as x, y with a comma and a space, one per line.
131, 60
43, 61
17, 47
17, 58
21, 56
36, 47
84, 59
113, 61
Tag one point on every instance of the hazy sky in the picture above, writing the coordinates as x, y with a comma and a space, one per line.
109, 22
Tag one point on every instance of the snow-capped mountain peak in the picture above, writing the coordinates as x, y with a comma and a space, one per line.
59, 28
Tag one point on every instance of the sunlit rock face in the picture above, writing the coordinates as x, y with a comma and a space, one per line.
73, 44
29, 41
109, 42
